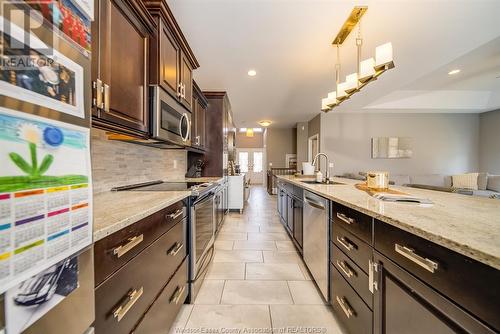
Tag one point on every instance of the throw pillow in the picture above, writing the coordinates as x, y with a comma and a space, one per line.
494, 182
482, 181
465, 181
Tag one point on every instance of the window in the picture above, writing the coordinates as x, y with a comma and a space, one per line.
257, 162
254, 130
243, 160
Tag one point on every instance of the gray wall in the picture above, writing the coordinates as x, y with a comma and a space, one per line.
442, 143
242, 141
278, 143
314, 126
489, 142
302, 135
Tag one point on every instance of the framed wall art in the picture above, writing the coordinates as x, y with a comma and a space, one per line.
49, 79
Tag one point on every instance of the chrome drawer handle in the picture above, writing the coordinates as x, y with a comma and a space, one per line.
132, 297
372, 283
347, 245
410, 254
345, 307
176, 296
345, 219
175, 249
345, 268
176, 214
132, 242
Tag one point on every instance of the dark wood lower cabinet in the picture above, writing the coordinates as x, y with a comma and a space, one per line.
298, 229
349, 307
404, 304
124, 298
163, 312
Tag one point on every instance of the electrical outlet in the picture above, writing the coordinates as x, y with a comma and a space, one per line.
175, 164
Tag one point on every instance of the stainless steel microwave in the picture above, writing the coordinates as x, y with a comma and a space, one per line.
170, 121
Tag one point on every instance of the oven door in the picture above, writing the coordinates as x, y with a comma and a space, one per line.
170, 121
202, 239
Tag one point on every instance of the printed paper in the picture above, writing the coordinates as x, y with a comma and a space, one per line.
45, 194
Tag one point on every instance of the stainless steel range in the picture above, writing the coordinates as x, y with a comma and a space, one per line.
201, 228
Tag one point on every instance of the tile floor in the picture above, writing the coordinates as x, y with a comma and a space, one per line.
257, 282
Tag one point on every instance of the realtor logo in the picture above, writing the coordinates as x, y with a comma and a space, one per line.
22, 27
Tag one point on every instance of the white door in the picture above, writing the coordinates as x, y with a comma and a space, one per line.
251, 163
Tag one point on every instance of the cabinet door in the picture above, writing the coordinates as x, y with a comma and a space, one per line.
297, 222
187, 82
200, 124
404, 304
195, 141
170, 74
124, 41
290, 214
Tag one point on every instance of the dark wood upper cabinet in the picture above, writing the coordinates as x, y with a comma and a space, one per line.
120, 69
169, 54
200, 104
186, 82
172, 60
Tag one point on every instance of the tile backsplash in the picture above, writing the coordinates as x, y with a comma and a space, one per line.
116, 163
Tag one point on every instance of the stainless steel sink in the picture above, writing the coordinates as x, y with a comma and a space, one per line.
315, 182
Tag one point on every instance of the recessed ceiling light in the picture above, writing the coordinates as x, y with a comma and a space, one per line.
454, 71
252, 73
265, 123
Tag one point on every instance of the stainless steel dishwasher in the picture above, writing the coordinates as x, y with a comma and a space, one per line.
315, 247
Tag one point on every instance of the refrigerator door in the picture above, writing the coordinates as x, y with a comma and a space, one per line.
75, 314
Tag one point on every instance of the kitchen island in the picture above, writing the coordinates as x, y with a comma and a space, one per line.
439, 263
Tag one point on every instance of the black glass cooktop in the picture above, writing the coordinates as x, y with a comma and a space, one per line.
166, 186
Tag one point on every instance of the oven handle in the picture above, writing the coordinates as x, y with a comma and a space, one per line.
201, 272
203, 200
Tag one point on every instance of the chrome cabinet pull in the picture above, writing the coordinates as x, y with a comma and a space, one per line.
176, 296
345, 307
106, 97
175, 249
132, 297
410, 254
132, 242
345, 219
347, 245
345, 268
179, 90
372, 268
175, 214
98, 91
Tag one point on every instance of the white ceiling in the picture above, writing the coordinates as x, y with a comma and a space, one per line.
288, 43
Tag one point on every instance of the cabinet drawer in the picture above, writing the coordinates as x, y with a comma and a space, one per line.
132, 239
357, 250
135, 285
355, 222
352, 274
469, 283
163, 312
351, 309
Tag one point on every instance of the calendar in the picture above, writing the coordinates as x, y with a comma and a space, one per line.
45, 194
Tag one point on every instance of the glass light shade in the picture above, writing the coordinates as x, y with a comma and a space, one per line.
341, 91
324, 104
265, 123
366, 70
249, 132
332, 99
351, 83
383, 56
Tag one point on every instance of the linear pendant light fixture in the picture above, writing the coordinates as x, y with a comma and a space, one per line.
368, 70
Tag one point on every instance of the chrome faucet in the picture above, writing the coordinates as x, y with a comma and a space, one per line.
327, 174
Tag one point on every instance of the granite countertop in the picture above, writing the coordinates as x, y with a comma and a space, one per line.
465, 224
116, 210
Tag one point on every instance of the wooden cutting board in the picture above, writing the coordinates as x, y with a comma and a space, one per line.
371, 192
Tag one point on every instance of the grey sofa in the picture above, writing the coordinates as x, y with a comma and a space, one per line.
489, 185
